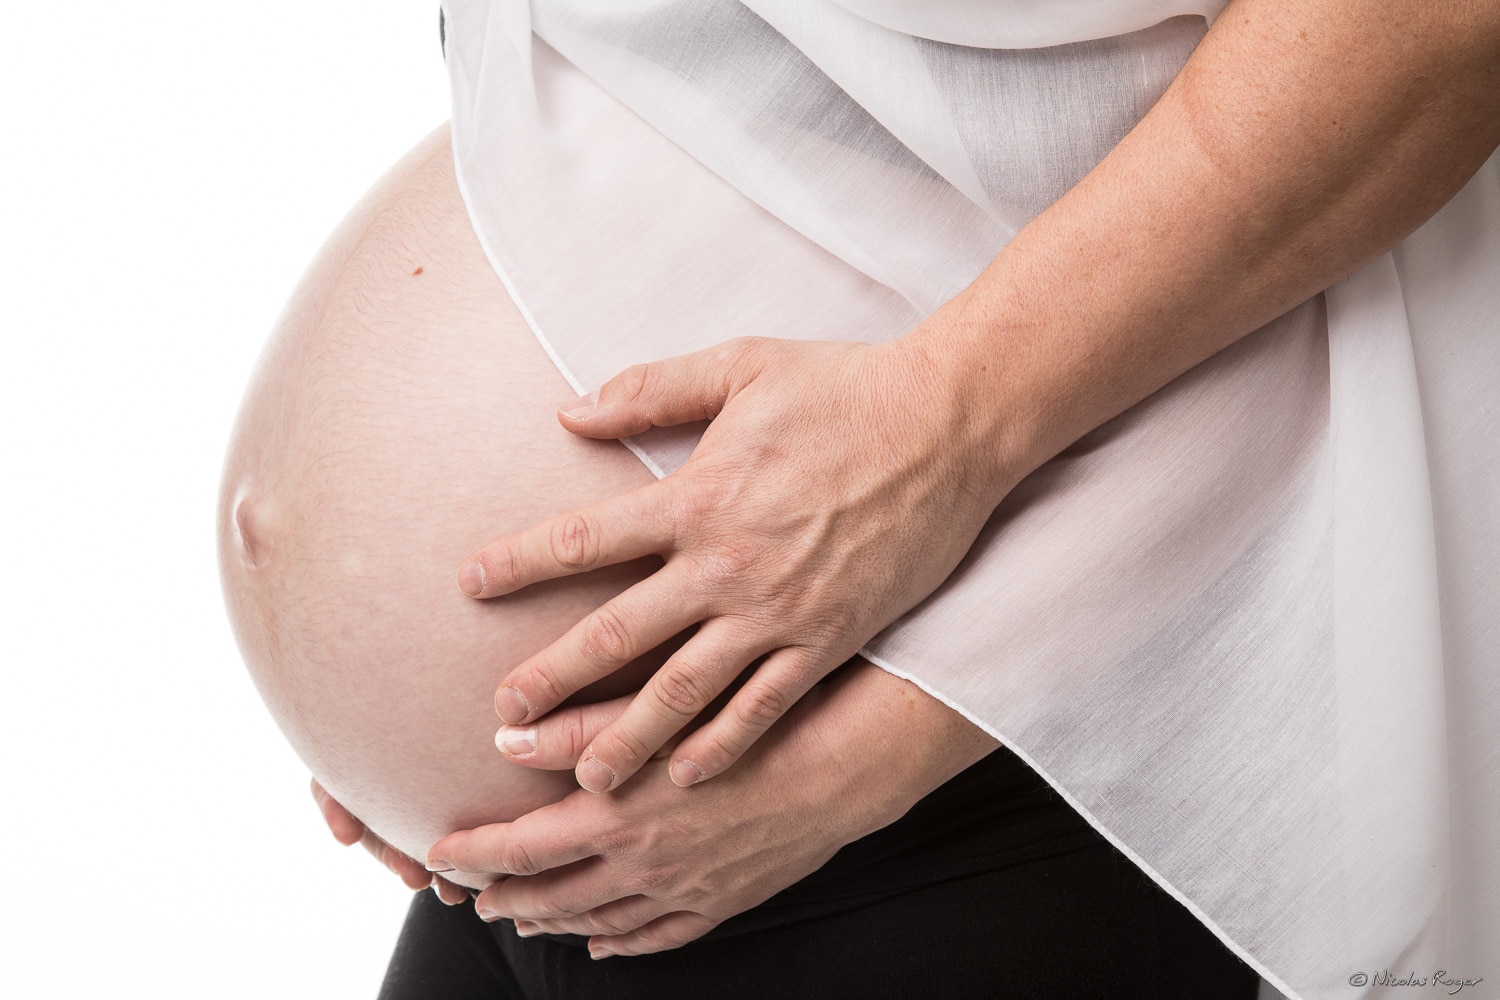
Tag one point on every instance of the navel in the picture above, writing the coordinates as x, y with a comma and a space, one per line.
256, 521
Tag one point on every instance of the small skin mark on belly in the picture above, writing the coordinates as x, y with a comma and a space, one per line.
417, 271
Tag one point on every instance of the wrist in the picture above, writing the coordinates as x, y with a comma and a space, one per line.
893, 742
977, 361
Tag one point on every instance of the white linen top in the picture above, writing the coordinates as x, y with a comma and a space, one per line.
1249, 628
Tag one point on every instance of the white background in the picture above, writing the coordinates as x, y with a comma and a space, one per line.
166, 171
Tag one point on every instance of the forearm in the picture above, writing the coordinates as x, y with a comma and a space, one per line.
1299, 143
892, 743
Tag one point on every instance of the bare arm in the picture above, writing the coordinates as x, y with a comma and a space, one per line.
1301, 141
838, 485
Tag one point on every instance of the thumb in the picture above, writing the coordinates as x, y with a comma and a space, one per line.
556, 740
664, 393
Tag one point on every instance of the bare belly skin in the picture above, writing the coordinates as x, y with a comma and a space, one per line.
402, 414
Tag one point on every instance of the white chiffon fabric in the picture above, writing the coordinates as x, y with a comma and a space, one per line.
1249, 628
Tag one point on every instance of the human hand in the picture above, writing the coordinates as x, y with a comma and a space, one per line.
348, 830
652, 866
838, 485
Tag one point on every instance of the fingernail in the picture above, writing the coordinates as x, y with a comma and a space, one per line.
511, 706
528, 928
439, 865
486, 914
471, 578
685, 773
581, 407
595, 776
598, 953
514, 742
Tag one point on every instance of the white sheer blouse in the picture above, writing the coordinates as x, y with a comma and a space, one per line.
1249, 629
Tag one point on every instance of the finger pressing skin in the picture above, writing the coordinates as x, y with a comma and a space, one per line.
634, 622
690, 679
614, 531
663, 934
343, 824
774, 688
556, 741
542, 839
664, 393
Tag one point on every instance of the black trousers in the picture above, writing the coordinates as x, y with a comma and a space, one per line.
990, 887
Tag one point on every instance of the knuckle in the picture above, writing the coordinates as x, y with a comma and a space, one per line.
605, 641
573, 737
847, 618
695, 503
618, 837
610, 923
681, 689
720, 751
728, 350
502, 565
734, 351
546, 686
625, 747
514, 859
633, 383
657, 880
740, 359
833, 626
653, 939
759, 705
574, 540
548, 907
731, 562
643, 941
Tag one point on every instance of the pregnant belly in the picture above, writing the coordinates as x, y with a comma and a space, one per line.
401, 415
